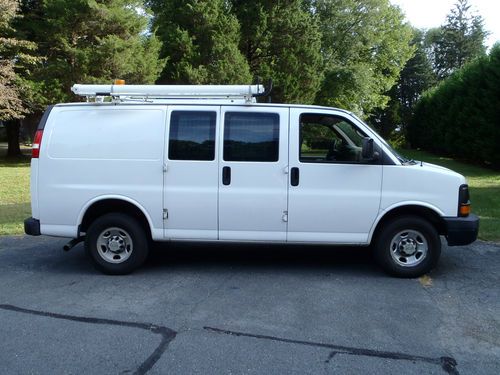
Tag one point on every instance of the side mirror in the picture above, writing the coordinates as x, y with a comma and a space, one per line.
367, 152
367, 149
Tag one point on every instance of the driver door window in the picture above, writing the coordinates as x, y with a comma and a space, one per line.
329, 139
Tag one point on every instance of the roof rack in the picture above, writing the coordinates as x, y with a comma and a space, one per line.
245, 93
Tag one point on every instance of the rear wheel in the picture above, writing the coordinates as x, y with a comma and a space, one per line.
408, 247
117, 244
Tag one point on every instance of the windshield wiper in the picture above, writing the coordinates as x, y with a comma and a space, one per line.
410, 162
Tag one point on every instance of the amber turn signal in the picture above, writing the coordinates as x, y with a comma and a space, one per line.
465, 210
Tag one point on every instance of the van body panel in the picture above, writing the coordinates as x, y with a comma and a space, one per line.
91, 152
434, 187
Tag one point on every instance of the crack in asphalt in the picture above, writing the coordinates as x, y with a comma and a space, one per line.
167, 334
448, 364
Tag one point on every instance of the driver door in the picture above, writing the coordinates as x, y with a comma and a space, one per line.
334, 195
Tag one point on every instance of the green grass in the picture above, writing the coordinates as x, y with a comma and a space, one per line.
14, 195
484, 187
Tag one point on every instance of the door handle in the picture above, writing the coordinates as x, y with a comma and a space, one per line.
226, 175
294, 176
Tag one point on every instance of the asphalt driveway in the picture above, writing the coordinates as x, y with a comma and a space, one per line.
210, 309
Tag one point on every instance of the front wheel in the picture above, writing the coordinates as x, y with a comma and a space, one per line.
116, 243
408, 247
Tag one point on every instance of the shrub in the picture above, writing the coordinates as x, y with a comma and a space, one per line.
461, 116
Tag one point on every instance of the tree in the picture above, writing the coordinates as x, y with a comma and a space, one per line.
90, 41
460, 117
15, 56
416, 77
386, 120
282, 40
365, 46
458, 41
200, 42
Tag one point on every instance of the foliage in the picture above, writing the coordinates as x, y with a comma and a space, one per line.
88, 41
15, 55
416, 77
386, 120
200, 42
365, 46
458, 41
282, 40
344, 53
438, 52
460, 117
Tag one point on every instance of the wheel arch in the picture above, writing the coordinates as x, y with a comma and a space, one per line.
425, 211
108, 204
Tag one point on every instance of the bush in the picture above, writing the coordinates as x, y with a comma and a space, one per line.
461, 116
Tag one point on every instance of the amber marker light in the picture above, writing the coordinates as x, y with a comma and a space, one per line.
464, 210
119, 82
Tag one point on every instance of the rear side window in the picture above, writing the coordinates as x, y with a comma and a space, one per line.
192, 135
251, 137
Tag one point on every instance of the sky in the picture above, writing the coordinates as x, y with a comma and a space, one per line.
432, 13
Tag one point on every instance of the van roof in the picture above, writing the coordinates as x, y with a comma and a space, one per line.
198, 102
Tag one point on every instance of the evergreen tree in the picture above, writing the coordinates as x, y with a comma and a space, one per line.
460, 40
387, 120
365, 46
16, 55
416, 77
200, 42
460, 116
91, 41
281, 40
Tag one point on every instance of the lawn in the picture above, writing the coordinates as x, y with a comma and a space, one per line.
484, 188
14, 195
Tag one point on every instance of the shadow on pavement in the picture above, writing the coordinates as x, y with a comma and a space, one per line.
260, 256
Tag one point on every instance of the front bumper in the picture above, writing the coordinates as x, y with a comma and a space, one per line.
32, 226
461, 230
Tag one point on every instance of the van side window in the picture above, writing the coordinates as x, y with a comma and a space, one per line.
329, 139
251, 137
192, 135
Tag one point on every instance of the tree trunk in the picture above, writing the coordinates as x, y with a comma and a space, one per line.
13, 128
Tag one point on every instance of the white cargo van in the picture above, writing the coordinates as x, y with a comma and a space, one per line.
209, 163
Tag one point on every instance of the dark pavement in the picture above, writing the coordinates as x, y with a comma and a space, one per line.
246, 309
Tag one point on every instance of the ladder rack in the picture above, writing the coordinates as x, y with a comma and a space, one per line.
245, 93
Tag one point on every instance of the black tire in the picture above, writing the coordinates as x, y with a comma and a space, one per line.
397, 229
127, 233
